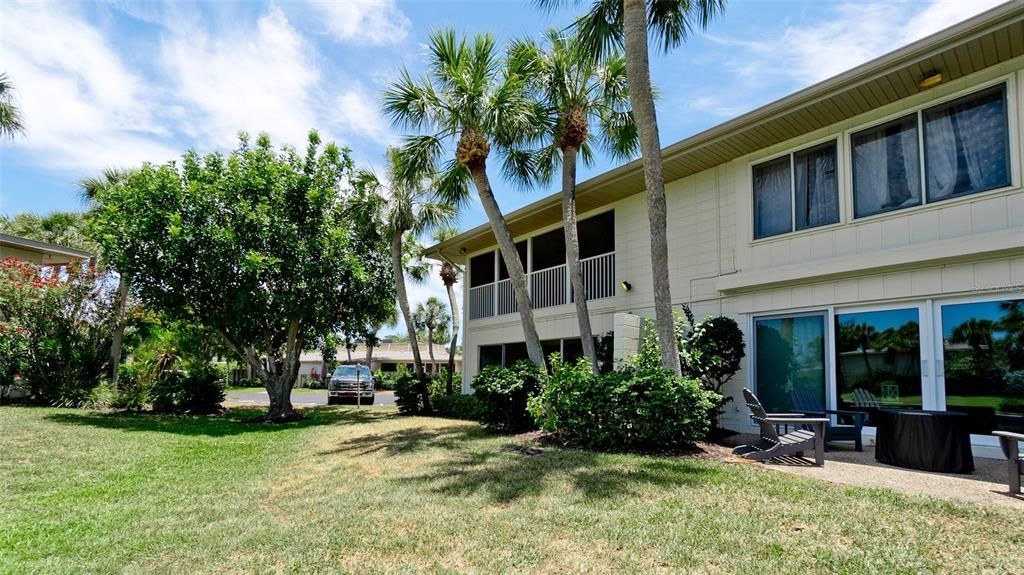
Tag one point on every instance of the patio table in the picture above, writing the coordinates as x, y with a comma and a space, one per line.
926, 440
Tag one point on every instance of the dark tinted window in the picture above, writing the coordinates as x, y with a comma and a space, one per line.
549, 250
502, 270
597, 235
481, 269
515, 352
490, 355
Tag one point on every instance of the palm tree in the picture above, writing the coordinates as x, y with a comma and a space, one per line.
66, 229
11, 122
449, 275
578, 92
433, 317
614, 24
370, 339
92, 188
475, 100
405, 208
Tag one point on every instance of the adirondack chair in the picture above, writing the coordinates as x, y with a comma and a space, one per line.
809, 403
793, 442
1010, 442
864, 398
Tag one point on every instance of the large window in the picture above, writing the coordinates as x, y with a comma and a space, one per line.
966, 151
966, 144
796, 192
878, 360
789, 357
983, 357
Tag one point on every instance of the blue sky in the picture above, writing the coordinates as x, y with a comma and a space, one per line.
117, 83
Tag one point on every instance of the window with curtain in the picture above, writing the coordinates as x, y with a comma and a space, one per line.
886, 168
803, 184
966, 144
817, 189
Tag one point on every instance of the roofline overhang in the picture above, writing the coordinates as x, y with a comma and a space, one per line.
987, 22
34, 245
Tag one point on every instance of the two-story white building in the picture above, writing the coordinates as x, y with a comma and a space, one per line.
867, 233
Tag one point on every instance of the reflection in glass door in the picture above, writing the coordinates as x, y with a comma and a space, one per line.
983, 363
790, 360
878, 360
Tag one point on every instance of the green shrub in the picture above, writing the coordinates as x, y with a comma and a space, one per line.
197, 391
412, 395
639, 406
503, 394
711, 351
458, 406
132, 389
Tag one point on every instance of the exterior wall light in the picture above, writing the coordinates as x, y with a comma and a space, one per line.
930, 81
626, 286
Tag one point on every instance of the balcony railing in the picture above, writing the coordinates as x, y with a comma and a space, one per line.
548, 288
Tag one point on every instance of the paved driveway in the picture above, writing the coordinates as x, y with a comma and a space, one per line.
300, 397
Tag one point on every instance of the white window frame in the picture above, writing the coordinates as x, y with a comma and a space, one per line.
1013, 114
824, 312
837, 138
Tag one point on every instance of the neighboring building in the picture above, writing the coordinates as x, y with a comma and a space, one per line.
39, 252
387, 357
881, 209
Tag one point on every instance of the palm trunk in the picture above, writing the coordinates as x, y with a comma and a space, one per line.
455, 336
430, 350
403, 301
117, 340
512, 262
369, 357
638, 76
572, 254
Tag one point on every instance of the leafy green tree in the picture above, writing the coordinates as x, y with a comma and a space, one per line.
474, 100
256, 245
449, 276
587, 106
432, 316
616, 24
11, 121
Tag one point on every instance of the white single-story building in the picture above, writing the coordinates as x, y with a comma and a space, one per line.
866, 232
387, 357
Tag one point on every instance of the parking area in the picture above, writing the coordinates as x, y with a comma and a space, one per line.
300, 397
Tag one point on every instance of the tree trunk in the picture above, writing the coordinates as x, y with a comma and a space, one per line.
403, 301
117, 340
277, 375
572, 254
369, 357
455, 336
512, 263
638, 76
430, 349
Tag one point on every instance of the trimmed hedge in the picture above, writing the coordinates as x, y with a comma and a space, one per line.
503, 394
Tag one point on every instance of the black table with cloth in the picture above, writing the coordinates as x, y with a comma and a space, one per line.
926, 440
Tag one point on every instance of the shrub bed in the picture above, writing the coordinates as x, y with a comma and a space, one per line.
503, 394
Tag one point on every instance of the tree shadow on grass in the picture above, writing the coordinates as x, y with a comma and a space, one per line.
510, 473
408, 440
233, 421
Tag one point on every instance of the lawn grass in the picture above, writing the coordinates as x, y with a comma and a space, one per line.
372, 492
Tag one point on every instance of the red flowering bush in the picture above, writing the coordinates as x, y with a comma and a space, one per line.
55, 329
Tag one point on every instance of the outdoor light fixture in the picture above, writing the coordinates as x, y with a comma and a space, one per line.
462, 251
930, 81
626, 286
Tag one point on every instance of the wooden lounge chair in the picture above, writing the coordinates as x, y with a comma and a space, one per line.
864, 398
1010, 442
809, 403
794, 442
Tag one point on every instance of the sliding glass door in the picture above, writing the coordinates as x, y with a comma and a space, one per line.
982, 353
789, 357
878, 360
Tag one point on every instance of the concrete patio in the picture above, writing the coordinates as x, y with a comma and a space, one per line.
987, 485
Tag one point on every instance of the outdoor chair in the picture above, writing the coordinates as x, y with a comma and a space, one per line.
1010, 442
864, 398
809, 403
772, 445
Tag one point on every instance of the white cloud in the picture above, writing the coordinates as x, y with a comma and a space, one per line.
84, 110
369, 21
842, 36
357, 114
241, 79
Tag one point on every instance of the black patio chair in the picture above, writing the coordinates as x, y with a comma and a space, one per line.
795, 442
809, 403
1010, 442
